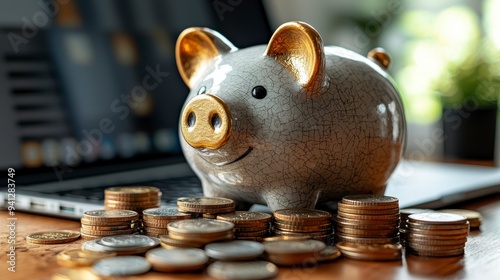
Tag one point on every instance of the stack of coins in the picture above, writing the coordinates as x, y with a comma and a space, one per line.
98, 223
197, 232
404, 213
135, 198
436, 234
248, 225
473, 217
315, 224
155, 220
368, 219
206, 207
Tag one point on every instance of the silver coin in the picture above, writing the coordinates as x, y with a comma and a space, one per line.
437, 218
293, 246
122, 266
125, 240
236, 250
200, 226
97, 246
178, 257
253, 270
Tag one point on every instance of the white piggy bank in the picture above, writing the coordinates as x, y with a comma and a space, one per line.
289, 124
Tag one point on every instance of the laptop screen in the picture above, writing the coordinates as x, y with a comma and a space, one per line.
92, 87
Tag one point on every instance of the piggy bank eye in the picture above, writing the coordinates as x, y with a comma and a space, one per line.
202, 90
259, 92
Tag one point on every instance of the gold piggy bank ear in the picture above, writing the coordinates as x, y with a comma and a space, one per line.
195, 48
299, 48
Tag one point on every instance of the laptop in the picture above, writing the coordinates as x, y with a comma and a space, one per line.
73, 125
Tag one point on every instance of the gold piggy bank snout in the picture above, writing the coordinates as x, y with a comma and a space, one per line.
206, 122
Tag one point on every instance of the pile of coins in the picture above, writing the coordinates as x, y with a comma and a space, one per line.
206, 207
196, 233
473, 217
127, 244
311, 223
253, 226
368, 219
135, 198
436, 234
98, 223
155, 220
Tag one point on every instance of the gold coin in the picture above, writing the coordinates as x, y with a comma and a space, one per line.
105, 223
461, 232
90, 237
437, 218
106, 232
252, 234
101, 228
245, 217
448, 253
301, 215
437, 227
207, 210
386, 248
367, 240
356, 222
111, 215
473, 217
366, 233
79, 258
132, 191
370, 200
204, 203
302, 228
165, 239
53, 237
391, 217
370, 210
422, 241
251, 229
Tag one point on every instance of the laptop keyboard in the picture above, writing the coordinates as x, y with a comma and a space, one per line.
171, 189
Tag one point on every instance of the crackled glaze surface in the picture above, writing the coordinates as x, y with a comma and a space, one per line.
299, 145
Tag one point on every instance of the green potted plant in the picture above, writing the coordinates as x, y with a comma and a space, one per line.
469, 91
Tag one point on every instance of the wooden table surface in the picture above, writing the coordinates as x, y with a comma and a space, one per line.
481, 259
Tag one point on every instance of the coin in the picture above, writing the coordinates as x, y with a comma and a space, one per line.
367, 233
111, 215
97, 246
303, 228
367, 210
245, 217
128, 240
301, 214
427, 241
473, 217
460, 232
80, 273
236, 250
367, 222
368, 199
293, 246
287, 237
437, 227
135, 191
79, 258
200, 226
53, 237
202, 203
164, 214
99, 222
177, 260
367, 240
330, 253
110, 228
437, 218
448, 253
254, 270
106, 232
373, 216
122, 266
166, 240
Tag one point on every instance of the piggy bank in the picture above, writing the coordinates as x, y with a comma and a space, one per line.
288, 124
